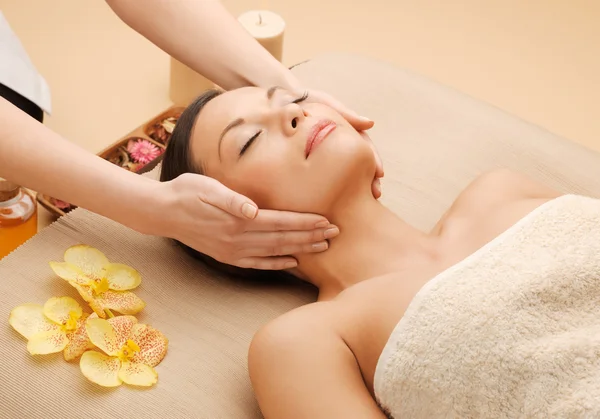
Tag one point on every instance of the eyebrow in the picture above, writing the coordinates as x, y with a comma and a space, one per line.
240, 121
271, 91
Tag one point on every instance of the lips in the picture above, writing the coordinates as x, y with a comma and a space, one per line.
318, 133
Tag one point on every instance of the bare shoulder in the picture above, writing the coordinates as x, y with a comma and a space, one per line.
512, 184
494, 190
292, 333
301, 367
295, 324
501, 186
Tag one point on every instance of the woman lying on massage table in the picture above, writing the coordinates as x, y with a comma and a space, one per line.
319, 361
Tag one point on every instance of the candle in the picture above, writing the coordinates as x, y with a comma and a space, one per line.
185, 84
267, 28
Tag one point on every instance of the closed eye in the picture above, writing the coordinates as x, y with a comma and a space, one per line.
249, 143
302, 98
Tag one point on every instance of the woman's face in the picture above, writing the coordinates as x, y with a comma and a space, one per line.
280, 152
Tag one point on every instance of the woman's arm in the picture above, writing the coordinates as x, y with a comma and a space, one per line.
193, 209
300, 368
36, 157
203, 35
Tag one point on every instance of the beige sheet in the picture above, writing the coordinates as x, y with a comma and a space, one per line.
433, 141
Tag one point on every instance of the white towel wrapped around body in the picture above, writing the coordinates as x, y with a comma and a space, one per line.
512, 331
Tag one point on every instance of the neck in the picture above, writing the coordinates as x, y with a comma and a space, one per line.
364, 249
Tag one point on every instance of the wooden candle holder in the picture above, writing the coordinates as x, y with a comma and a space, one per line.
156, 132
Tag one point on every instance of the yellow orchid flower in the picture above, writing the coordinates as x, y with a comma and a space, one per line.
103, 285
131, 351
58, 325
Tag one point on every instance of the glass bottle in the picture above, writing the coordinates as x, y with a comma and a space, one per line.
18, 216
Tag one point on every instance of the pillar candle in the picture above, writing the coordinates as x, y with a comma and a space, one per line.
267, 28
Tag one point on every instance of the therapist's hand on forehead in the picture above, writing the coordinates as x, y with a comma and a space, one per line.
193, 209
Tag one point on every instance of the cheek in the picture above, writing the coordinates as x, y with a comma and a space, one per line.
270, 181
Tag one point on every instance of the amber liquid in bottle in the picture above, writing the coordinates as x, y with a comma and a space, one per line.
18, 217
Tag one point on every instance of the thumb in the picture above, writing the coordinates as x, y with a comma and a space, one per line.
220, 196
360, 123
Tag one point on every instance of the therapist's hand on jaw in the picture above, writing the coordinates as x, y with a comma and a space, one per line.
360, 123
231, 229
193, 209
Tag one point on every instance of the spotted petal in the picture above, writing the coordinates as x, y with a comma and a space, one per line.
100, 369
79, 342
137, 374
103, 335
69, 272
59, 309
153, 345
124, 302
90, 260
122, 277
88, 296
50, 342
122, 325
29, 319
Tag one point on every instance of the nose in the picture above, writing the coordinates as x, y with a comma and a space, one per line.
292, 116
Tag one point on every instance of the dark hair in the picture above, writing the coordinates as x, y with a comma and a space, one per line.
178, 160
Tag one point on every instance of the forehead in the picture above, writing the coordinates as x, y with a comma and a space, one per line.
217, 114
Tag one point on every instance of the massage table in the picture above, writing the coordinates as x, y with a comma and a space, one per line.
433, 141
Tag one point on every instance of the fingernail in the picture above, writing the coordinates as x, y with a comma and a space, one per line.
290, 265
319, 247
249, 211
322, 224
378, 186
331, 232
365, 119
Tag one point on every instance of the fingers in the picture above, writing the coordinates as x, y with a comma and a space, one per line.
229, 201
271, 250
276, 243
293, 249
379, 163
360, 123
271, 220
268, 264
376, 188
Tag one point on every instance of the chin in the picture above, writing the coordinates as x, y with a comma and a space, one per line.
340, 176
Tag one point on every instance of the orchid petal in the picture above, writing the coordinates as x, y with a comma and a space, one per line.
79, 342
29, 319
153, 345
103, 335
122, 277
122, 326
137, 374
88, 296
124, 302
49, 342
62, 309
88, 259
100, 369
69, 272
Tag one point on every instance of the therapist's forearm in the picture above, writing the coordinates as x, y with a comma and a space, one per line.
203, 35
35, 157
